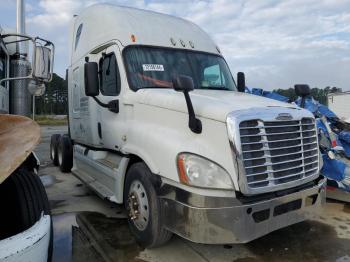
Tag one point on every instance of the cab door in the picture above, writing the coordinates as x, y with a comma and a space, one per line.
110, 125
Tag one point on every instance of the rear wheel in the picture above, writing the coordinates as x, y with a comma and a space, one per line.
53, 148
24, 198
143, 207
65, 154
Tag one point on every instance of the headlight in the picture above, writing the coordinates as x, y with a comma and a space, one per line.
201, 172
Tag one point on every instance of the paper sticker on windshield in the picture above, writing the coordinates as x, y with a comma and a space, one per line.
152, 67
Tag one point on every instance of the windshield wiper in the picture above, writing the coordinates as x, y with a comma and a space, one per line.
163, 87
215, 88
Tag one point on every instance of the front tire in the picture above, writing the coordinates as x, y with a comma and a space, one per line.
53, 148
65, 154
144, 208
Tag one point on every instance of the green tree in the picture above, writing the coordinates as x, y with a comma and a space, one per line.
55, 99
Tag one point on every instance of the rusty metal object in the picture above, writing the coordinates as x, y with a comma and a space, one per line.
18, 137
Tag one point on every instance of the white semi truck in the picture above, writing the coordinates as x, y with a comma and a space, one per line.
25, 221
158, 123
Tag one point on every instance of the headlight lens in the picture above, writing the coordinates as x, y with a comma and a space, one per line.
201, 172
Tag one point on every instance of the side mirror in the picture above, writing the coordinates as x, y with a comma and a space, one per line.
91, 79
241, 82
303, 91
183, 83
42, 64
92, 87
36, 88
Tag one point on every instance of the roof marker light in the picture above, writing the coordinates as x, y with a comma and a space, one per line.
133, 38
172, 40
182, 43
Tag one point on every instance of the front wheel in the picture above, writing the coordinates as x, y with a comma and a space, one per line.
53, 148
65, 154
143, 207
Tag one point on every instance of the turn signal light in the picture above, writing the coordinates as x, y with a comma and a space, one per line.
133, 38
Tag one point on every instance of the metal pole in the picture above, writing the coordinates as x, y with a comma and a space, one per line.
21, 24
20, 98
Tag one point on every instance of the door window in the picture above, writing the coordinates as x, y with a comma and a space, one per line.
109, 75
77, 36
213, 76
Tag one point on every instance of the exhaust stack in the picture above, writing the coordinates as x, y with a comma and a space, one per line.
20, 99
21, 24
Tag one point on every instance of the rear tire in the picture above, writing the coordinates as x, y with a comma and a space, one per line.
53, 148
140, 195
65, 154
24, 198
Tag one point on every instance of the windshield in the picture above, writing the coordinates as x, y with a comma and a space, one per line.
150, 67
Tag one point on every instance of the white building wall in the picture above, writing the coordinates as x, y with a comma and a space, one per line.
340, 104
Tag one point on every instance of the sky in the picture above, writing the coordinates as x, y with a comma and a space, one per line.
276, 43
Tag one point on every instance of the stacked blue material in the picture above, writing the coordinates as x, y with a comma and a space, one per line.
334, 168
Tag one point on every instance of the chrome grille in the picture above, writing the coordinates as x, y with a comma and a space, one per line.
278, 152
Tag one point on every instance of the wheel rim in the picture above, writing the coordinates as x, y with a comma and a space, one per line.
138, 205
59, 152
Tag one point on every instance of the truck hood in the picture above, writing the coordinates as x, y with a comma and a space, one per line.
212, 104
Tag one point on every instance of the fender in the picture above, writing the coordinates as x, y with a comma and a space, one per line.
135, 150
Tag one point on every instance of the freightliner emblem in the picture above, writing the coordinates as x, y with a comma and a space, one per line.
284, 116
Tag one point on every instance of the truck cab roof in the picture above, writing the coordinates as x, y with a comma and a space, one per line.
102, 23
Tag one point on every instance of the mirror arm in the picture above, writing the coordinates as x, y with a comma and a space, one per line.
194, 123
112, 106
99, 102
302, 103
15, 79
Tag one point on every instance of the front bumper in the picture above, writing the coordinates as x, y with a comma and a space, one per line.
212, 220
29, 245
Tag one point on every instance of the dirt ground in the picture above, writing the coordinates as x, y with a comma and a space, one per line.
88, 228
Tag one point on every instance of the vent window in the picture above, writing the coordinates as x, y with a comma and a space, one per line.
77, 36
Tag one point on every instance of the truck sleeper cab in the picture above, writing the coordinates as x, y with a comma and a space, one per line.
252, 167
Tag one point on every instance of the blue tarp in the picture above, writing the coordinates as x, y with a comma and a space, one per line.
268, 94
318, 109
332, 168
325, 111
344, 137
